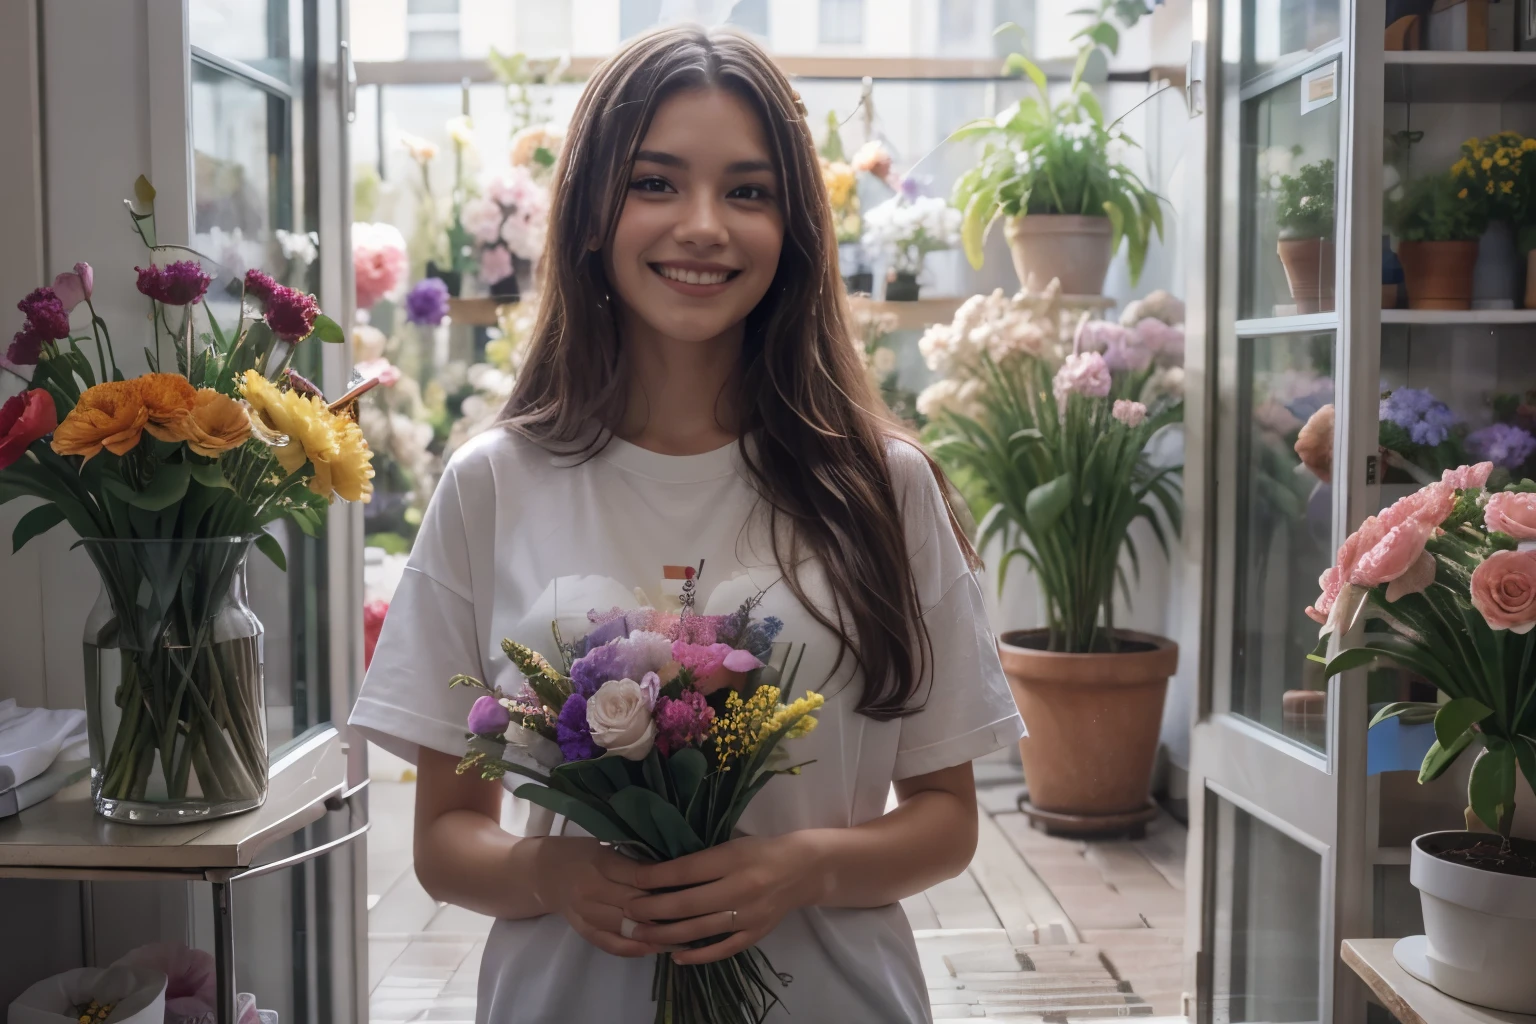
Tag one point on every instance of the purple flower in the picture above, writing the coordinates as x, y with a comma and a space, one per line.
26, 347
175, 284
627, 657
427, 302
1502, 444
682, 721
45, 314
291, 314
909, 187
260, 286
1427, 420
572, 731
488, 716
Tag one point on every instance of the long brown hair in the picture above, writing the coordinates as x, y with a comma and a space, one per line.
818, 458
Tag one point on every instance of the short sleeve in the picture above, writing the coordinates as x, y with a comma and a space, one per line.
968, 710
430, 634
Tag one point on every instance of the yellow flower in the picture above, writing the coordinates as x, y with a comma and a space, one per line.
1462, 194
215, 423
840, 181
799, 713
1462, 166
1526, 145
1506, 187
110, 415
1489, 188
167, 397
301, 428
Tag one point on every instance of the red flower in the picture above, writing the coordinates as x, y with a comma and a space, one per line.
175, 284
260, 286
373, 621
291, 314
23, 419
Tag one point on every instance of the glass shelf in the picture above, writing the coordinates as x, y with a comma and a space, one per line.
1459, 76
1455, 317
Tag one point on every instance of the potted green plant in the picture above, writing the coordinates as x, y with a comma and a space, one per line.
1437, 223
1053, 173
1493, 172
1438, 584
1304, 214
1050, 448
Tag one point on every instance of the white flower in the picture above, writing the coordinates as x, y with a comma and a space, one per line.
950, 395
619, 714
421, 150
461, 131
297, 245
884, 360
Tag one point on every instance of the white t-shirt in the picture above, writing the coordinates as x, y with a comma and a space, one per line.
516, 537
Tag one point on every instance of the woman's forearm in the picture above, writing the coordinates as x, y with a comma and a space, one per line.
929, 837
466, 858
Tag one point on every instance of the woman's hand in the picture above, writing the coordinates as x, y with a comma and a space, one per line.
759, 878
579, 879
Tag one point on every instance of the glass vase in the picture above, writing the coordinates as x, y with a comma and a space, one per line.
173, 681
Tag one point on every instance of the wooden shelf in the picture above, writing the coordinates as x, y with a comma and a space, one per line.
1409, 999
925, 312
1458, 317
1459, 76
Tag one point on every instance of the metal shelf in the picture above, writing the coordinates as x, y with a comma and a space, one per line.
1459, 76
1458, 317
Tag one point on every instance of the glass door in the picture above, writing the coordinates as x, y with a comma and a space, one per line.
1272, 837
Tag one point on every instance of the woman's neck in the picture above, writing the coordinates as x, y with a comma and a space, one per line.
679, 391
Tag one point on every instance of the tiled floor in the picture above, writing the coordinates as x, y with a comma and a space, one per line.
1037, 929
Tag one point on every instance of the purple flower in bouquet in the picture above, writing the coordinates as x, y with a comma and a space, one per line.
759, 636
682, 720
1427, 420
1502, 444
627, 657
427, 302
175, 284
1083, 373
45, 314
572, 731
488, 716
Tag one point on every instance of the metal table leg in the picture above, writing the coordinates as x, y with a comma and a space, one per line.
224, 951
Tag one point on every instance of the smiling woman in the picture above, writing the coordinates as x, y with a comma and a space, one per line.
693, 411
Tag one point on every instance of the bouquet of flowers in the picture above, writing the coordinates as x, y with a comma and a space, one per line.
907, 227
1052, 451
509, 220
1446, 586
168, 478
654, 734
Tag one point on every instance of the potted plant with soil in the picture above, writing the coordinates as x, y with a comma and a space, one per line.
1054, 173
1443, 585
1048, 439
1437, 224
1304, 214
903, 230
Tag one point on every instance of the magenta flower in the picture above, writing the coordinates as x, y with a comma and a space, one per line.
682, 721
291, 314
260, 286
180, 283
26, 347
46, 315
488, 716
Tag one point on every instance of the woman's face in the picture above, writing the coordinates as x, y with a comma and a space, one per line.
698, 239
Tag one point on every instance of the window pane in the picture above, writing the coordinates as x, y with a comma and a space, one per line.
435, 44
1277, 32
751, 15
1264, 923
1284, 521
842, 21
432, 7
234, 29
236, 144
635, 16
1290, 145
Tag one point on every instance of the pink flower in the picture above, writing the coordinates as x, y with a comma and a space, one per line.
1084, 373
1098, 336
495, 264
74, 286
1504, 590
1161, 340
387, 372
1132, 414
1463, 477
373, 622
704, 661
1330, 583
482, 219
1431, 504
1392, 558
682, 721
1513, 513
378, 261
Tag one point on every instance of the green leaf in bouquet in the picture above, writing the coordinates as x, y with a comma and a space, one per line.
328, 330
1491, 789
1047, 502
210, 474
1439, 758
661, 825
1412, 712
268, 545
655, 776
165, 489
594, 819
595, 776
39, 520
688, 767
1457, 716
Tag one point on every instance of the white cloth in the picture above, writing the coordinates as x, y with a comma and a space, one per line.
516, 538
30, 739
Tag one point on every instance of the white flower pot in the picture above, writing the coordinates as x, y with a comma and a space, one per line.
1480, 927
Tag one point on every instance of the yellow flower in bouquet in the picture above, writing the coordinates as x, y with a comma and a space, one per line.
111, 415
841, 180
167, 398
215, 423
747, 724
302, 428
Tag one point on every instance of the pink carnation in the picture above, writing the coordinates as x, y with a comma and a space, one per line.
1161, 340
1132, 414
1424, 510
495, 264
1084, 373
1098, 336
1399, 560
1513, 513
378, 261
1504, 590
704, 660
1463, 477
681, 721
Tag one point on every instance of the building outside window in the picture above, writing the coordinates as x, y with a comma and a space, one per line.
751, 15
842, 22
432, 29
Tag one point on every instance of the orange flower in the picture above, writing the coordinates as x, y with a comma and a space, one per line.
215, 423
111, 415
167, 398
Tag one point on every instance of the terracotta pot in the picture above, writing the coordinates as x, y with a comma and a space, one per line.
1065, 246
1438, 274
1093, 721
1309, 271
